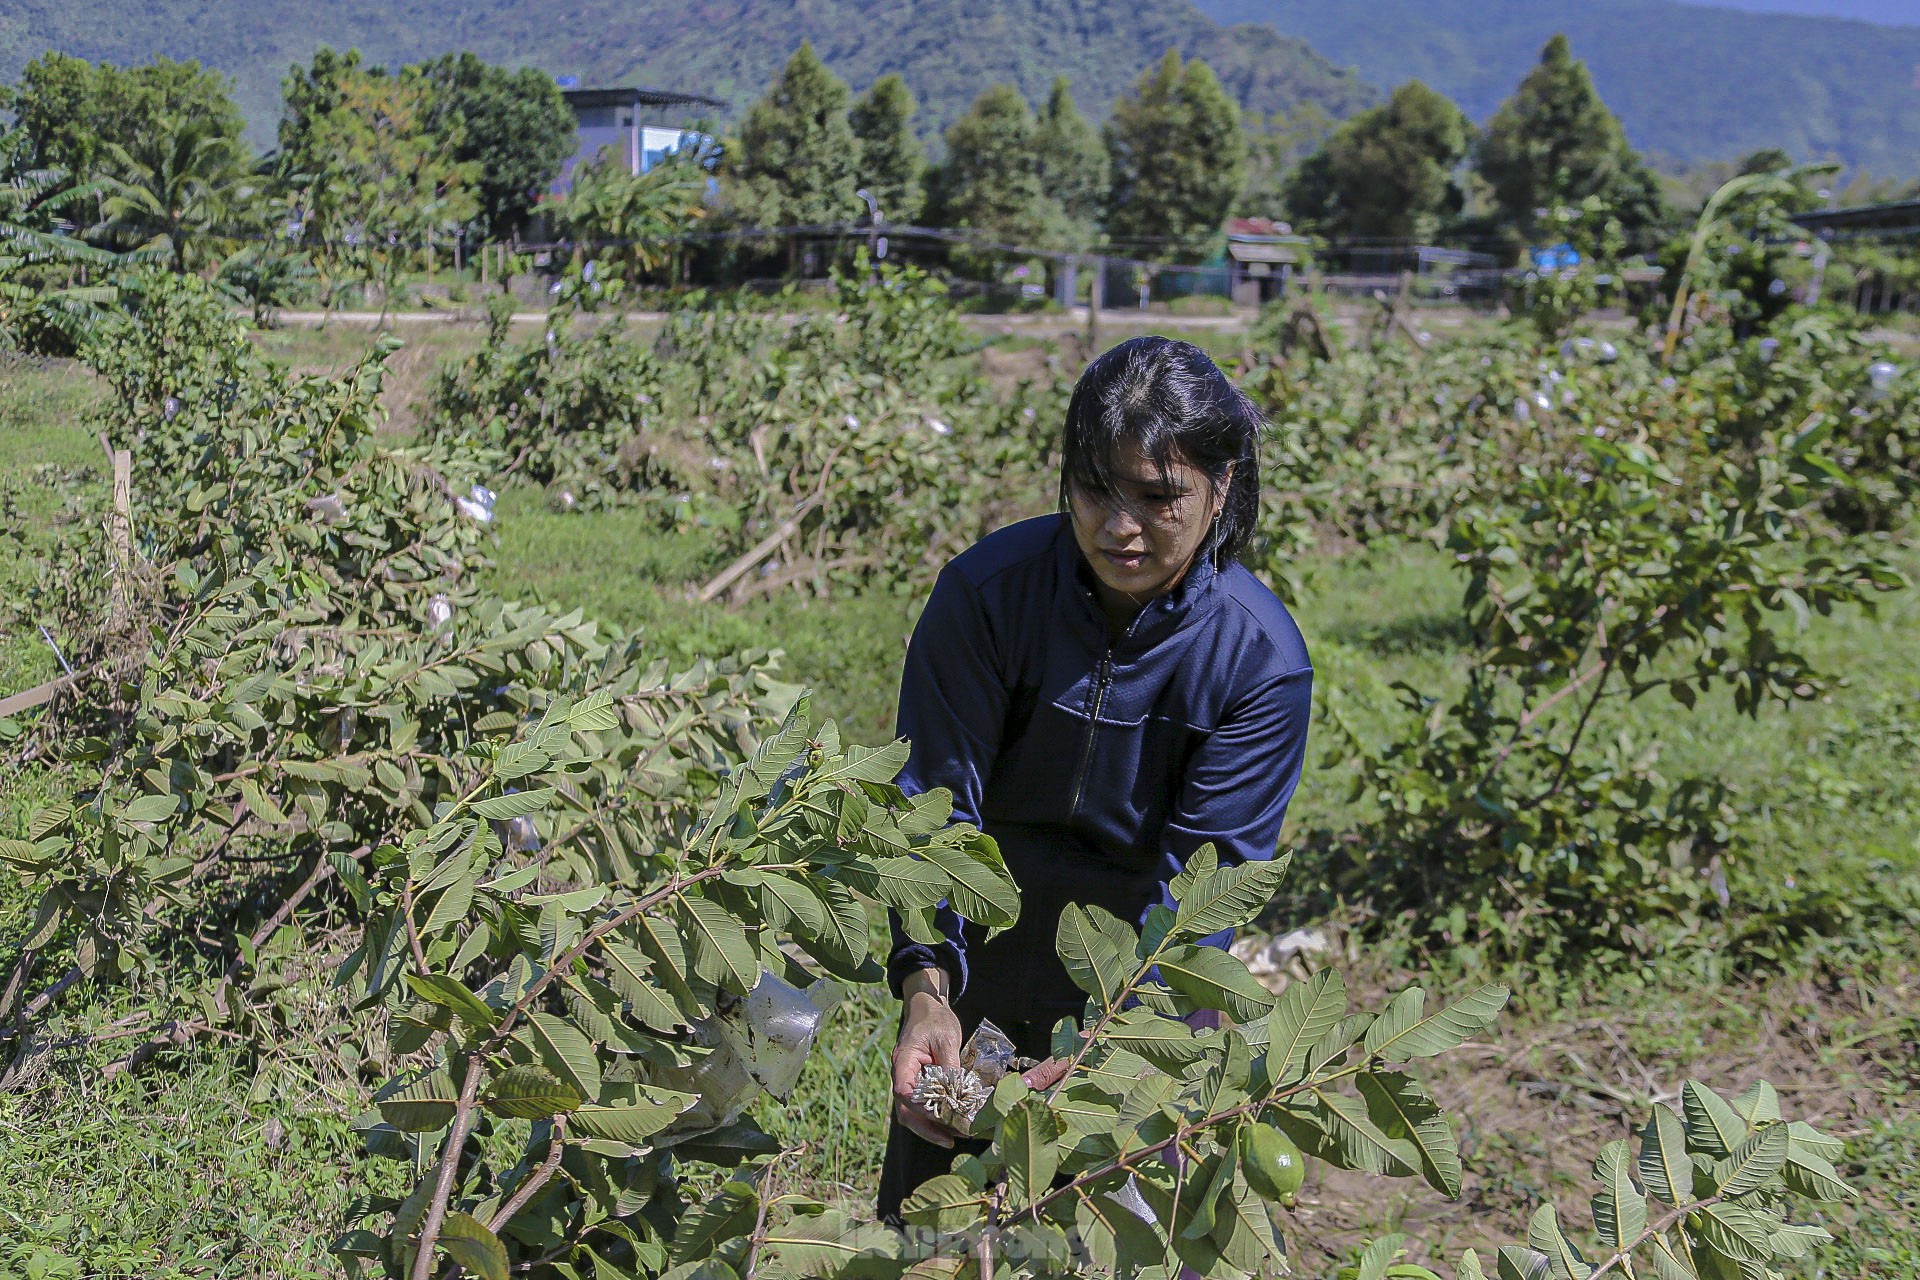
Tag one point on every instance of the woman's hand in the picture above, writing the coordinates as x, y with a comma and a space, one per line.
929, 1036
1047, 1074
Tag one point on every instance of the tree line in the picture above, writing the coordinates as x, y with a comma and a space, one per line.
1177, 157
372, 166
454, 143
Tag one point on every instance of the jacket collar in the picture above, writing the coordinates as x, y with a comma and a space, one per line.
1164, 615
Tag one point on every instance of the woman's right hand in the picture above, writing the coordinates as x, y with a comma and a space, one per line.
929, 1036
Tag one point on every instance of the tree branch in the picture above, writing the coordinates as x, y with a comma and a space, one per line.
449, 1170
531, 1184
178, 1032
1620, 1257
467, 1103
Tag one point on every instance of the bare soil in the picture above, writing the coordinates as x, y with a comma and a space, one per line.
1534, 1102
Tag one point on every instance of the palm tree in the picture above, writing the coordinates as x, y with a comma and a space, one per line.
177, 187
38, 259
638, 217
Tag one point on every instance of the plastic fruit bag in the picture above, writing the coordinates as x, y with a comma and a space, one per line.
751, 1046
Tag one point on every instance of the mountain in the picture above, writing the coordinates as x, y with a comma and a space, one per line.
1892, 13
948, 50
1689, 82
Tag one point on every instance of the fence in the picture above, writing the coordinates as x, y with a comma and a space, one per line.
1482, 286
996, 275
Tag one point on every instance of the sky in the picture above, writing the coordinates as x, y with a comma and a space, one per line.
1899, 12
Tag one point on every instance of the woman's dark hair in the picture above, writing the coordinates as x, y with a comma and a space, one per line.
1172, 401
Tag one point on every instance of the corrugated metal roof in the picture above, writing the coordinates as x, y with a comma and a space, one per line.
1900, 213
1257, 228
637, 97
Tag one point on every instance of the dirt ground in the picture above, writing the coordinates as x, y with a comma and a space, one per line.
1535, 1099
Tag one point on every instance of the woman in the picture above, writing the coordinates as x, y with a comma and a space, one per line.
1103, 691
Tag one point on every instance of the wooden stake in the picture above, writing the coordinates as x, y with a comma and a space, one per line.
120, 524
123, 504
38, 696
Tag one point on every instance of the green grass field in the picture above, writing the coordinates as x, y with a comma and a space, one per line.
188, 1168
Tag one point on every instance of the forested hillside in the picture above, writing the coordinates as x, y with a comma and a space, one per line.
1688, 82
1890, 12
948, 50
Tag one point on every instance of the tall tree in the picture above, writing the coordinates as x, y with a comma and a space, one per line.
89, 119
892, 162
1276, 145
1555, 142
797, 157
1073, 168
377, 179
991, 180
1388, 171
309, 97
1178, 159
513, 126
179, 186
71, 110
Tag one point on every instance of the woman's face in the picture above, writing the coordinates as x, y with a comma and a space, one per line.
1142, 544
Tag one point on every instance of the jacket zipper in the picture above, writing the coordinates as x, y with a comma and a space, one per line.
1093, 729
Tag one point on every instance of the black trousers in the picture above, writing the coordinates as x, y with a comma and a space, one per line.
910, 1159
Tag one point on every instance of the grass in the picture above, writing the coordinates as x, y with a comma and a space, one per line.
180, 1175
619, 568
188, 1169
46, 455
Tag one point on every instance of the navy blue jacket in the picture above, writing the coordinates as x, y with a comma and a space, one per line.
1098, 766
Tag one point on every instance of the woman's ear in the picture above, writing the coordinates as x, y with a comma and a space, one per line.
1221, 490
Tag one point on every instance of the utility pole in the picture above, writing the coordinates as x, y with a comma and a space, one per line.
1096, 295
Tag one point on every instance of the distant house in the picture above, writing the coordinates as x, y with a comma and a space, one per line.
617, 121
1262, 254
